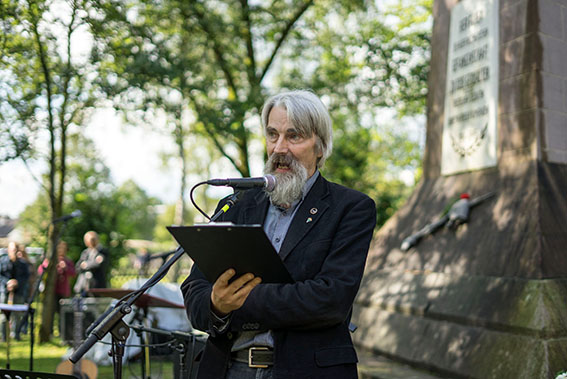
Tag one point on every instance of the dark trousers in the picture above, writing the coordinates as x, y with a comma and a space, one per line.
239, 370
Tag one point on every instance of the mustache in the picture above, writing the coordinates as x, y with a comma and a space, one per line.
283, 159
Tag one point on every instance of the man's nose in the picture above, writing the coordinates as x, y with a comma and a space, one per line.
281, 146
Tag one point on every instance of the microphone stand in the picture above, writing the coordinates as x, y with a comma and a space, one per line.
112, 320
180, 342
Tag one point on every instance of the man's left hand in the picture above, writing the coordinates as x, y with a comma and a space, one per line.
226, 297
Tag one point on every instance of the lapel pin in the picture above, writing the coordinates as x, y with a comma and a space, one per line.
308, 220
313, 211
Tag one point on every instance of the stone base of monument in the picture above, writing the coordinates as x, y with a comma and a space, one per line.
487, 300
371, 366
470, 327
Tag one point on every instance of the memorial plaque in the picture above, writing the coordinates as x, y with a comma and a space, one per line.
471, 95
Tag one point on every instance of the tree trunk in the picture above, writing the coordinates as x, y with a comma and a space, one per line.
48, 311
179, 218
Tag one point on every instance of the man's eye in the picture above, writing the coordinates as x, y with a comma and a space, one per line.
294, 137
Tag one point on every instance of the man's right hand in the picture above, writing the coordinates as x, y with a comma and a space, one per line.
226, 297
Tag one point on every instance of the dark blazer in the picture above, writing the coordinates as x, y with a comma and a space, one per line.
325, 252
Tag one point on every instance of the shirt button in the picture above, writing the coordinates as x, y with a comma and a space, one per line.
278, 239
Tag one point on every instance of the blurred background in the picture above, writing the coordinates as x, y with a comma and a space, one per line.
118, 108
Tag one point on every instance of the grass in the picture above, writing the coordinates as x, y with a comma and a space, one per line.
47, 356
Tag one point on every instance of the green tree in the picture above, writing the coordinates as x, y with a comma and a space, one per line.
219, 58
45, 95
215, 55
369, 67
197, 62
115, 213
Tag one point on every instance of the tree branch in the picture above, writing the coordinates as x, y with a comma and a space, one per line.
64, 123
47, 77
223, 152
249, 43
284, 35
216, 48
214, 138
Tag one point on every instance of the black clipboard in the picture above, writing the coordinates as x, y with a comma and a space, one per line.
217, 247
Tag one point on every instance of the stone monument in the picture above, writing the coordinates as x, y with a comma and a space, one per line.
487, 298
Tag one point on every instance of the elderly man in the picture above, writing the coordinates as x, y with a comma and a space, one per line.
321, 231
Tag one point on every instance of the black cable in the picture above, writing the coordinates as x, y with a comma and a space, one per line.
193, 200
160, 344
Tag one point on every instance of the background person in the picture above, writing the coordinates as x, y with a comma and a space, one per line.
65, 272
28, 285
14, 275
91, 266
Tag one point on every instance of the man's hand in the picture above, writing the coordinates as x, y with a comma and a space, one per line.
226, 297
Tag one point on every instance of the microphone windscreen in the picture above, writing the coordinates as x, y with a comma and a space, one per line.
270, 182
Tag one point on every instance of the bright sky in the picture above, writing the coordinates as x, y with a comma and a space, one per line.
130, 153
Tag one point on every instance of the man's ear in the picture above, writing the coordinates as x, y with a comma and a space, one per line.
318, 147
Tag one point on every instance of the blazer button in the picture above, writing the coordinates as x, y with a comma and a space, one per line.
229, 335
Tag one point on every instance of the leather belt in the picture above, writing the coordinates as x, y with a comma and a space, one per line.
256, 356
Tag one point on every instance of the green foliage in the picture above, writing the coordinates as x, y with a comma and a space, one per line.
207, 66
370, 66
116, 214
214, 57
161, 235
42, 86
47, 356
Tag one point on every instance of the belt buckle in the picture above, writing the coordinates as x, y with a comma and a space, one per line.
251, 354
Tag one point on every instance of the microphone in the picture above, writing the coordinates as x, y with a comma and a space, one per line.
75, 213
268, 182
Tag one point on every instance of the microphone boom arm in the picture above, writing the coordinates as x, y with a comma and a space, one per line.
115, 316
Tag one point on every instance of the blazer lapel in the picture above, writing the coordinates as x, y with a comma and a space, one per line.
308, 214
256, 212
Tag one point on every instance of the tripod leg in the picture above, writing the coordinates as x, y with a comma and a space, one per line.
7, 325
146, 353
31, 316
120, 332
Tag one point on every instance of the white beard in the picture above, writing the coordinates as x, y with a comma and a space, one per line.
289, 185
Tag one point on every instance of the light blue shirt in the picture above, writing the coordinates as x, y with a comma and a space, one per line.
276, 226
279, 219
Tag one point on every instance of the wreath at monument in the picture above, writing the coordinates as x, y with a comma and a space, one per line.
467, 144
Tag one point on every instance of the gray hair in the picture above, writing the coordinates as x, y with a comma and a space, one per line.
308, 115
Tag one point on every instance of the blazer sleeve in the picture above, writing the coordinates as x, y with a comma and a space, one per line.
325, 299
